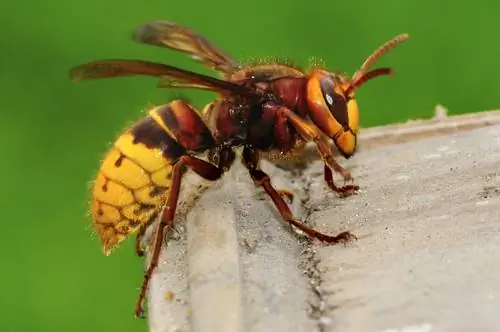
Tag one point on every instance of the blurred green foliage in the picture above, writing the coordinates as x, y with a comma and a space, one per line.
54, 132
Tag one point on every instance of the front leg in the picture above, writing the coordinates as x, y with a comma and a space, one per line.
251, 161
310, 133
344, 191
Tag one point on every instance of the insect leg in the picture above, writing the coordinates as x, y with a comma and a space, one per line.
139, 250
251, 161
203, 169
344, 191
310, 133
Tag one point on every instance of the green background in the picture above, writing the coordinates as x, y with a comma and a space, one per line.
54, 132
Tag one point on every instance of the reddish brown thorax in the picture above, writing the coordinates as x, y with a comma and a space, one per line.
292, 93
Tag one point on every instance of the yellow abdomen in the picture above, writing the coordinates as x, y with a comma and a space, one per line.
133, 182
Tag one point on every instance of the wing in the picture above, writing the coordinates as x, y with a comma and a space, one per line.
168, 82
123, 68
177, 37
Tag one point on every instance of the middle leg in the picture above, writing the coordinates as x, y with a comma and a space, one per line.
251, 161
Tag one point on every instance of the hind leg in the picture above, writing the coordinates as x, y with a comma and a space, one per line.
202, 168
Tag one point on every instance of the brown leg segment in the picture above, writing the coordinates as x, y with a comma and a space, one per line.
282, 132
310, 133
202, 168
251, 160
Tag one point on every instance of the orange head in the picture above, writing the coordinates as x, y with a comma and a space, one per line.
333, 107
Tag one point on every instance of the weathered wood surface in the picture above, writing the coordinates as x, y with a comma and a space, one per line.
428, 253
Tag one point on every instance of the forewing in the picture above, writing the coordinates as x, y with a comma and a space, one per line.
180, 38
124, 67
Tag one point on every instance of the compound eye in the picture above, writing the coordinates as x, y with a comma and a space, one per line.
335, 101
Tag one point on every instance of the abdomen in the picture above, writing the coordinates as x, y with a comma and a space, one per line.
133, 181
